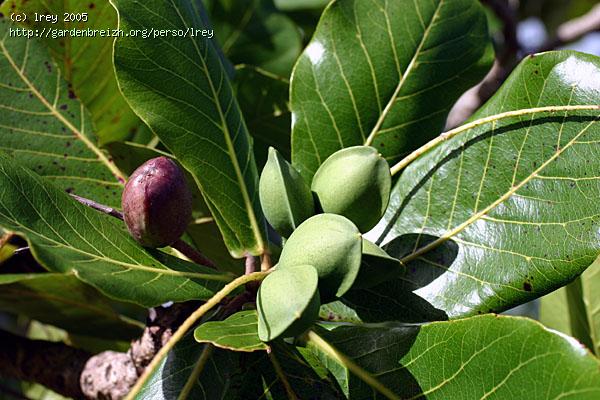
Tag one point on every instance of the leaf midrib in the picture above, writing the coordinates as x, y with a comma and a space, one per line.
226, 133
404, 77
448, 235
116, 172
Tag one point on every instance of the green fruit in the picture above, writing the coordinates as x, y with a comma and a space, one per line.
332, 244
285, 198
354, 182
288, 302
157, 204
376, 266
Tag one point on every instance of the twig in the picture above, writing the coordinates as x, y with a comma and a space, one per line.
281, 374
193, 254
99, 207
180, 245
482, 121
198, 368
574, 29
188, 323
266, 263
506, 59
29, 360
357, 370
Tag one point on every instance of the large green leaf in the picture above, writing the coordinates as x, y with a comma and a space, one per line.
66, 236
384, 73
193, 372
238, 332
64, 301
187, 100
481, 357
45, 127
502, 212
85, 62
255, 32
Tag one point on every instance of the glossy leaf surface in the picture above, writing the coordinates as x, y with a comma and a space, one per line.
475, 358
384, 73
501, 213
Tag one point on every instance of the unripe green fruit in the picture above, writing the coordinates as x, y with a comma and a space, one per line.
157, 204
354, 182
332, 244
288, 302
285, 198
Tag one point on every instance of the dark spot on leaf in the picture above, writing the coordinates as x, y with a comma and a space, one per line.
69, 190
527, 287
72, 94
65, 155
92, 6
68, 144
63, 106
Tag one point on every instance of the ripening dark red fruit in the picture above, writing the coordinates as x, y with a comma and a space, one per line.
156, 202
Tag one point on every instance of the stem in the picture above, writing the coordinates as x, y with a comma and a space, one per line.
99, 207
250, 265
188, 323
482, 121
366, 376
266, 263
281, 374
193, 254
198, 368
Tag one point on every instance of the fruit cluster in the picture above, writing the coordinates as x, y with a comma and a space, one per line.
324, 254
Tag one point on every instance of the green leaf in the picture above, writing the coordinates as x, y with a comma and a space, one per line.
575, 310
193, 372
85, 62
554, 311
590, 285
66, 236
501, 213
64, 301
254, 32
187, 100
44, 127
263, 98
292, 5
384, 73
475, 358
239, 332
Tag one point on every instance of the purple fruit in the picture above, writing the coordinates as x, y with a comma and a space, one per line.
157, 204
